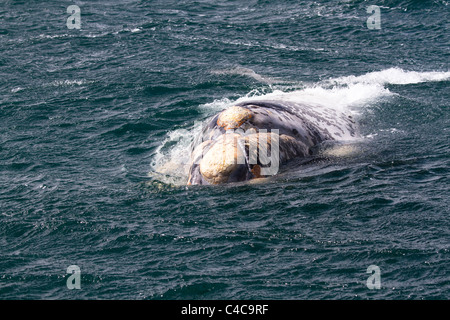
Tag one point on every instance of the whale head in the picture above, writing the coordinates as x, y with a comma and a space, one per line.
234, 148
224, 154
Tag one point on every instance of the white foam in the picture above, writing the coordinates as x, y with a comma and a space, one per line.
58, 83
347, 94
55, 36
172, 158
215, 106
338, 98
392, 76
16, 89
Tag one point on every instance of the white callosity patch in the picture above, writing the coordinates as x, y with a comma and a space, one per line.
223, 157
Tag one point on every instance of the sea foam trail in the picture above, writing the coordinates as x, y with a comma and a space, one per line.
393, 76
350, 95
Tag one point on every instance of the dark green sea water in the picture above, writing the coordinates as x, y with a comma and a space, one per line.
88, 117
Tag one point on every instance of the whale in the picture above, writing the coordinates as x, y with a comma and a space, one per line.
251, 139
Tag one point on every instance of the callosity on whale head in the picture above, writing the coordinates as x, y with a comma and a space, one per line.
250, 140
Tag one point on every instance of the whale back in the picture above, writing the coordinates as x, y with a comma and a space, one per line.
318, 122
309, 124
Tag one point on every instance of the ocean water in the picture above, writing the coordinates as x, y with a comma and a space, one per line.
95, 127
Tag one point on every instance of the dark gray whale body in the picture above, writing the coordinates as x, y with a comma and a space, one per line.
234, 145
